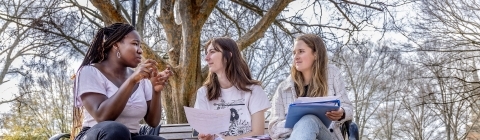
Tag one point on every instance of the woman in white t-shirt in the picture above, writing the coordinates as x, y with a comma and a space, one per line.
114, 98
230, 85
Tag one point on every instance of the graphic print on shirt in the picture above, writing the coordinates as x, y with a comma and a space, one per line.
238, 125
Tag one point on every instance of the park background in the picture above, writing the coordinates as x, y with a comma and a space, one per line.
410, 66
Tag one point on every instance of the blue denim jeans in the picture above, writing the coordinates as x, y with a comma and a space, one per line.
310, 127
111, 130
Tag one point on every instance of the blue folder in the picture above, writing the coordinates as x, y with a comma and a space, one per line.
319, 109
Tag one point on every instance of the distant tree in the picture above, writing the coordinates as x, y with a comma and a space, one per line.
447, 31
20, 42
173, 33
374, 82
45, 109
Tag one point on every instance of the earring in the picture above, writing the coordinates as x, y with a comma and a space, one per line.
118, 54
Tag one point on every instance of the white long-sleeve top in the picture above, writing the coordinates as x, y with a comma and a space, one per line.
285, 95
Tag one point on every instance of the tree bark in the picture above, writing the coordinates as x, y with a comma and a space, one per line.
108, 11
184, 54
184, 46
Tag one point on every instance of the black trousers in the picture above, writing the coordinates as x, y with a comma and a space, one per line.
111, 130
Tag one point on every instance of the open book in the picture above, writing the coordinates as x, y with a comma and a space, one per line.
317, 106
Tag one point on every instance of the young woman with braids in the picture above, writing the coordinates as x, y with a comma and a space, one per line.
311, 76
229, 84
114, 97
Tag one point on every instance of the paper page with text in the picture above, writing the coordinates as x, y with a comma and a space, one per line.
208, 121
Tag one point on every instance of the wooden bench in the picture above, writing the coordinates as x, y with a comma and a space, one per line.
183, 131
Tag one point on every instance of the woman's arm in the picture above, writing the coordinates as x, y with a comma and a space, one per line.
201, 102
103, 108
154, 112
154, 106
276, 126
258, 126
346, 104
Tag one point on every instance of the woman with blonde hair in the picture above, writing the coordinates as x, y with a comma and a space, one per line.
311, 76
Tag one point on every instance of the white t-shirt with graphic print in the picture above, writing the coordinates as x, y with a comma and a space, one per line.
242, 105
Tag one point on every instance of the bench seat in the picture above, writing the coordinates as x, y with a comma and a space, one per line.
183, 131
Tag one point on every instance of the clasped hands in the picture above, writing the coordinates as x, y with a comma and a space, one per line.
148, 70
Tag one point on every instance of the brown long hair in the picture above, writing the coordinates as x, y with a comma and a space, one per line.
236, 69
318, 86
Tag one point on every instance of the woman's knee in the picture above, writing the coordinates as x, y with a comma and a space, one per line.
108, 130
310, 118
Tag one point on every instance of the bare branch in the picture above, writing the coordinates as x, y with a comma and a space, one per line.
362, 5
311, 25
259, 11
259, 29
343, 13
239, 29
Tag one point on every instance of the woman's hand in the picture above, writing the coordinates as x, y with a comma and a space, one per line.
206, 136
230, 138
335, 115
145, 70
160, 80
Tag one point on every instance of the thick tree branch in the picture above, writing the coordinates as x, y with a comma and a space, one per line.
206, 9
259, 11
86, 9
119, 7
109, 13
259, 29
143, 10
193, 15
173, 31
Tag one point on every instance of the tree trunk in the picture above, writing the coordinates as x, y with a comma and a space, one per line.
184, 54
184, 47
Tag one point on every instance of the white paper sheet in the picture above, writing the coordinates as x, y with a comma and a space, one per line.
315, 99
208, 121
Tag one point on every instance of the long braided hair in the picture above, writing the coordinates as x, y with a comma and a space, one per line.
101, 44
104, 40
